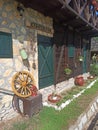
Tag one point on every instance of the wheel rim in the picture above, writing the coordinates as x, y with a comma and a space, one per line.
21, 83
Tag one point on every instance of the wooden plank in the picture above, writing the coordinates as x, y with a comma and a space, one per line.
82, 8
68, 1
59, 62
65, 1
6, 91
76, 6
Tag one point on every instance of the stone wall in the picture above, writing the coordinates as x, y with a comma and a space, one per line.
22, 37
85, 119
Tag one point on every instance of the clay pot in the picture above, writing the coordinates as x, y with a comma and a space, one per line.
54, 98
94, 2
96, 6
79, 81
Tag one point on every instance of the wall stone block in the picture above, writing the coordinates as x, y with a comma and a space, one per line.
7, 72
1, 3
4, 22
4, 14
1, 82
23, 30
12, 26
8, 8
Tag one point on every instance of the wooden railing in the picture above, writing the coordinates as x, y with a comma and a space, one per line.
84, 8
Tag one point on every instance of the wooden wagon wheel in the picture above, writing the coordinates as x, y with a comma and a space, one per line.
21, 83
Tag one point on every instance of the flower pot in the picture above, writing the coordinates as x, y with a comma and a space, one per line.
91, 77
34, 91
79, 81
54, 98
80, 59
94, 2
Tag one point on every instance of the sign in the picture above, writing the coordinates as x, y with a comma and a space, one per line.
40, 27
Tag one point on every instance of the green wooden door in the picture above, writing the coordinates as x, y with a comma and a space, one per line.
45, 61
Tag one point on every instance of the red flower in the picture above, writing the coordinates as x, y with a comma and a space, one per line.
34, 90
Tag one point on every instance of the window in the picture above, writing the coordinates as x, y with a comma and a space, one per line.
6, 50
71, 50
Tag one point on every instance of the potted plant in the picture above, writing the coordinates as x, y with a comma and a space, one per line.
94, 69
80, 58
54, 98
67, 71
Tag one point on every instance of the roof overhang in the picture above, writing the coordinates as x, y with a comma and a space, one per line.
63, 14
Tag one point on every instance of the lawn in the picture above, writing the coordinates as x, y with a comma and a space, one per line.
51, 119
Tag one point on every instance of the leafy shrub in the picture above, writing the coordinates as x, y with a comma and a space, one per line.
94, 69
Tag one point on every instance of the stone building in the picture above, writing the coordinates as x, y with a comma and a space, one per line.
50, 44
18, 30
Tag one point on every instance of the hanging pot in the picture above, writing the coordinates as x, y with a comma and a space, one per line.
96, 7
94, 2
23, 54
79, 81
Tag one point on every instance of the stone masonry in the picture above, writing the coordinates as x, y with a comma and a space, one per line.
22, 37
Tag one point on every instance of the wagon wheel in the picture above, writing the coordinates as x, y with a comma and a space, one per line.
21, 83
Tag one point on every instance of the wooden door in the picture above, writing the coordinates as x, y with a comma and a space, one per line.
45, 61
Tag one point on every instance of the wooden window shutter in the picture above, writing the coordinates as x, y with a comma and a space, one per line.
6, 50
71, 50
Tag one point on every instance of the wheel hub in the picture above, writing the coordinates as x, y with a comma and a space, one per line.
24, 84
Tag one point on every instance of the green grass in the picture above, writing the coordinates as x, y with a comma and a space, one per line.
50, 119
73, 91
54, 120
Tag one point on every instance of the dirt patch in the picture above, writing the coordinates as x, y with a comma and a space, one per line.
6, 125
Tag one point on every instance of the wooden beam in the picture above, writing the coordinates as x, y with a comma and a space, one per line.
86, 31
76, 6
59, 62
78, 15
64, 2
94, 20
82, 8
68, 1
68, 22
81, 27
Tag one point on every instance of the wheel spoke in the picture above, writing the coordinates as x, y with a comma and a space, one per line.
27, 78
17, 81
23, 77
25, 91
20, 78
19, 89
29, 85
21, 83
30, 82
22, 90
28, 89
